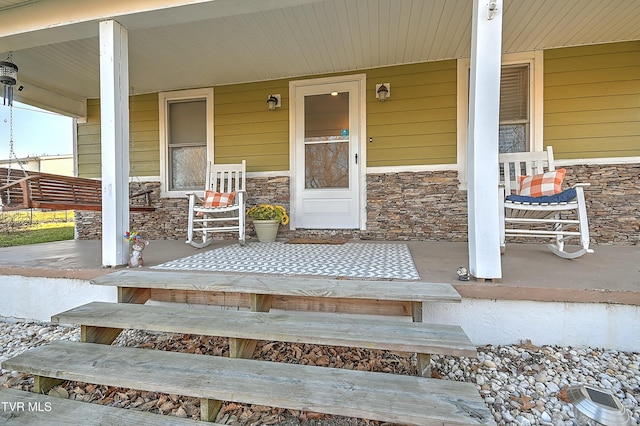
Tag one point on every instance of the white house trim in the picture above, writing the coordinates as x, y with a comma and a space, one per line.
484, 109
53, 101
268, 174
462, 119
114, 118
536, 104
165, 97
412, 169
597, 161
362, 170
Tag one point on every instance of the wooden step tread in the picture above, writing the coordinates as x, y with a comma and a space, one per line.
387, 334
376, 396
28, 408
408, 291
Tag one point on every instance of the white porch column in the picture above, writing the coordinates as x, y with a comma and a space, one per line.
114, 116
484, 110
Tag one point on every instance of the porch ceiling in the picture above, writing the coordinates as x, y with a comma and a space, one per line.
184, 44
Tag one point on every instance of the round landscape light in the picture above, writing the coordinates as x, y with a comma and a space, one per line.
594, 406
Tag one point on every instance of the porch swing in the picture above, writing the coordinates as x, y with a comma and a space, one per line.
37, 190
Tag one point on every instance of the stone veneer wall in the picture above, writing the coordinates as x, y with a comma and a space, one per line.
407, 206
613, 201
416, 206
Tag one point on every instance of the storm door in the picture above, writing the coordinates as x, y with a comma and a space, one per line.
327, 158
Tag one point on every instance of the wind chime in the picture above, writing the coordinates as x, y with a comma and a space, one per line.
8, 78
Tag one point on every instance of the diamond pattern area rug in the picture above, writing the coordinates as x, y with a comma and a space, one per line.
353, 260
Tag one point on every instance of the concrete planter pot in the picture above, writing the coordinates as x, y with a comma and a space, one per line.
267, 230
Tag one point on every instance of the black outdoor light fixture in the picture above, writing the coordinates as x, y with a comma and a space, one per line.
273, 102
383, 91
594, 406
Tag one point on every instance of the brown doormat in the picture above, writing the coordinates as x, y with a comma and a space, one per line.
315, 240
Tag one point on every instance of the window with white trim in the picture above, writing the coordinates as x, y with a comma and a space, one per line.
513, 134
521, 106
186, 139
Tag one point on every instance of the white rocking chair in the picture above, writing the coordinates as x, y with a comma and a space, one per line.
560, 217
223, 207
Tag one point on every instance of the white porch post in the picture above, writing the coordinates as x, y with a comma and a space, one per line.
114, 116
484, 110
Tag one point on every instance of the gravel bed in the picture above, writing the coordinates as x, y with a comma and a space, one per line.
522, 384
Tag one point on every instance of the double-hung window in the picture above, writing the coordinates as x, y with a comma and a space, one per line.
513, 135
521, 115
186, 139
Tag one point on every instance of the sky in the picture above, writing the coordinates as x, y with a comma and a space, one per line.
36, 132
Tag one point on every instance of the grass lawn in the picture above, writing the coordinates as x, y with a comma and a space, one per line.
21, 228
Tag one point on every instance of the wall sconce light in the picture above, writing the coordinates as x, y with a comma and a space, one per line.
274, 101
383, 91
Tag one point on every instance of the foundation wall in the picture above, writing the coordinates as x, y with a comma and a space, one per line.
498, 322
425, 206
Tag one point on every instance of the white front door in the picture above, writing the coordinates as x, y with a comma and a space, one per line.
327, 161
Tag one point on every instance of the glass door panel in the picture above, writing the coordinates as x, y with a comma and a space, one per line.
326, 140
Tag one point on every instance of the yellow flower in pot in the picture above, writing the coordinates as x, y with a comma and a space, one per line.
266, 219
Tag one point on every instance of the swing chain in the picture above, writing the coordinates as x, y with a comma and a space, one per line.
12, 154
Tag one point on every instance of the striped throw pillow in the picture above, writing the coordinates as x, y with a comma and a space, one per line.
548, 183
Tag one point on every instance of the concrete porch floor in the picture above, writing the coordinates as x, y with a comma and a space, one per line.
530, 271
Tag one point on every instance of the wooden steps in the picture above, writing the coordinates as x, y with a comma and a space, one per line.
264, 292
376, 396
238, 378
394, 335
412, 291
28, 408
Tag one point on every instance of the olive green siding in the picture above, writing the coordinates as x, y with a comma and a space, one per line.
592, 100
144, 152
591, 110
417, 124
246, 129
89, 142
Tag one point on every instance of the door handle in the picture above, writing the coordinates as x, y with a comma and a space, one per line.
356, 158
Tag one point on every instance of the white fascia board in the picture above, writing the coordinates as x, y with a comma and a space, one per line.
49, 100
64, 20
597, 161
